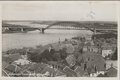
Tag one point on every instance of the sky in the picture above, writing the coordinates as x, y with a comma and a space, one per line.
60, 10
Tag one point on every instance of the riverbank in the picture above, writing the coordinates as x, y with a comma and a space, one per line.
73, 57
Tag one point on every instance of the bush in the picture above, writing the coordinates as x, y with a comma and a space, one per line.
34, 57
12, 51
105, 36
114, 56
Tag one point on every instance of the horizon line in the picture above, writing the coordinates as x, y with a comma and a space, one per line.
66, 20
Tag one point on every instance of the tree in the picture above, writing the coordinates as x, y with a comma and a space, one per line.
63, 53
114, 56
34, 57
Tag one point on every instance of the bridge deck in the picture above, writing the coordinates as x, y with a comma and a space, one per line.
70, 28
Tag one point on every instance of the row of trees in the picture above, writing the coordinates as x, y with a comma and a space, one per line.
47, 56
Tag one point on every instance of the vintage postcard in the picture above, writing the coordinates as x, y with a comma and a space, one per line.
60, 39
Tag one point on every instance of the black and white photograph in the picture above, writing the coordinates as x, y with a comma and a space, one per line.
60, 39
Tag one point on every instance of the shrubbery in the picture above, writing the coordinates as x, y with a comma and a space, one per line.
114, 56
105, 36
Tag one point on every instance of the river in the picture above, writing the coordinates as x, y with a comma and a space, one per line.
34, 38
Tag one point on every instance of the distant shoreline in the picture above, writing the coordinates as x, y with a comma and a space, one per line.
115, 22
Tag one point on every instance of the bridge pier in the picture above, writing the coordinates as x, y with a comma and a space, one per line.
94, 32
43, 30
22, 30
7, 28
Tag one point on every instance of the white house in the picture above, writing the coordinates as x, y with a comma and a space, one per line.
106, 52
22, 62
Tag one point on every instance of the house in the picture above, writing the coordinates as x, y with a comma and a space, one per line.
22, 62
94, 49
69, 72
106, 52
4, 73
90, 64
79, 71
54, 64
111, 72
51, 72
107, 46
88, 37
13, 69
36, 67
94, 59
110, 63
4, 64
71, 60
73, 42
85, 48
101, 75
25, 73
60, 74
90, 47
107, 49
67, 41
24, 56
98, 74
99, 62
32, 69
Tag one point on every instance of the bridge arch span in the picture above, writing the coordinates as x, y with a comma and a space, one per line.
70, 23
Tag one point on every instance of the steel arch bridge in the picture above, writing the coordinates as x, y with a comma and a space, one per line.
70, 24
94, 27
67, 25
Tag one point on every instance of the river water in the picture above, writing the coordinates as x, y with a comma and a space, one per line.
34, 38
